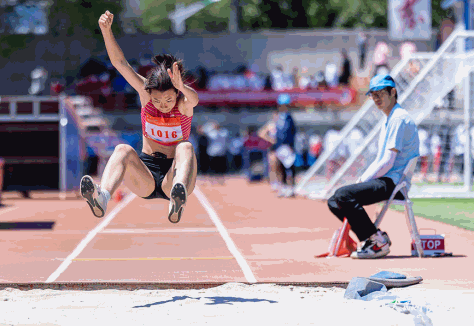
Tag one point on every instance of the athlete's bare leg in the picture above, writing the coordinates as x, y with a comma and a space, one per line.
180, 180
125, 165
183, 170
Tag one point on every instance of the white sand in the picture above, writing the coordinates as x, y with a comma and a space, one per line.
229, 304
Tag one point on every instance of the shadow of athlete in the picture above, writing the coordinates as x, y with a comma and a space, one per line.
216, 300
166, 168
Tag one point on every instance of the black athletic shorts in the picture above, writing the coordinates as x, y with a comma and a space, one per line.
158, 165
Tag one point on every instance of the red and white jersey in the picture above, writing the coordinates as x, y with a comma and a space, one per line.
166, 129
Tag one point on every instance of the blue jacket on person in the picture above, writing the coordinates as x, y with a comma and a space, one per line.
285, 130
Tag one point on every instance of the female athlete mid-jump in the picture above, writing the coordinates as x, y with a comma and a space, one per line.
166, 167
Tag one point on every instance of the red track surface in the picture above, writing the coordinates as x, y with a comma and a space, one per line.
277, 239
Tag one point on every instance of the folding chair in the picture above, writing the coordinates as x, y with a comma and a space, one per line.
402, 187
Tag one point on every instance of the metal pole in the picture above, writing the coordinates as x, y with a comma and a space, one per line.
62, 148
467, 22
468, 96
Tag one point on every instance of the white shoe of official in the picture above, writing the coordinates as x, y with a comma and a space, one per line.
94, 196
376, 246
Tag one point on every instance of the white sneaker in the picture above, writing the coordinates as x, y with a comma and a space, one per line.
94, 196
376, 246
286, 192
275, 186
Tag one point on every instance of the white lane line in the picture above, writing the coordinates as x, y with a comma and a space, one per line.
225, 235
84, 242
146, 231
3, 211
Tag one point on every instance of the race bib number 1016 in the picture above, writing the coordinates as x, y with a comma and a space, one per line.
164, 130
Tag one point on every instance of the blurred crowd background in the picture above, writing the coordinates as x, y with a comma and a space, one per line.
241, 56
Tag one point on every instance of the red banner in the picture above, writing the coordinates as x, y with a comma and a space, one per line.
336, 96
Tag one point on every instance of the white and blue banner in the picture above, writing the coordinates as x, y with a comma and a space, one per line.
409, 19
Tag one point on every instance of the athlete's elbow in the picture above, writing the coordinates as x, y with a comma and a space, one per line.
195, 100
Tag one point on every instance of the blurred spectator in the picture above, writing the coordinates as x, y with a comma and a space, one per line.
304, 79
56, 88
446, 153
235, 150
445, 29
301, 150
381, 58
459, 143
435, 151
38, 79
315, 143
295, 77
268, 133
253, 80
285, 145
280, 80
203, 157
203, 77
217, 150
406, 49
330, 75
344, 78
253, 140
362, 44
254, 154
321, 80
424, 152
94, 81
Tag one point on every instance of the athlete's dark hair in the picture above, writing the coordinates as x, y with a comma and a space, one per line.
158, 77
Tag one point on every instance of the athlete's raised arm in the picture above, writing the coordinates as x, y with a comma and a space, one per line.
116, 55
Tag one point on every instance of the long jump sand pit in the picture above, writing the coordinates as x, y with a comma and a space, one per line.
231, 304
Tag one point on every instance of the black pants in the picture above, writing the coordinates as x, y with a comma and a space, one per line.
348, 201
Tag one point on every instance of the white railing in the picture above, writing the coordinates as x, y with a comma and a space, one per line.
452, 52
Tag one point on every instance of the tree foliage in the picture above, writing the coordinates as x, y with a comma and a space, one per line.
69, 17
214, 17
258, 14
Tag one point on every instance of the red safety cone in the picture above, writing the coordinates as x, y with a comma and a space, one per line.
118, 195
341, 244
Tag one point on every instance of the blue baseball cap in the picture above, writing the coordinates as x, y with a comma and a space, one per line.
380, 82
284, 99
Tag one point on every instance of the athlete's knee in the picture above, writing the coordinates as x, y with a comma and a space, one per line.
185, 147
124, 151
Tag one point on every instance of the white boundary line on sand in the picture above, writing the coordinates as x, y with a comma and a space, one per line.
225, 235
92, 233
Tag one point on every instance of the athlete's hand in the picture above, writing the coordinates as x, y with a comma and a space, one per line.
105, 21
175, 76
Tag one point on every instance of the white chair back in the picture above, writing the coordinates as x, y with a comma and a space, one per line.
410, 168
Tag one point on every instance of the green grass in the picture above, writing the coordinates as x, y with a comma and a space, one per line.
453, 211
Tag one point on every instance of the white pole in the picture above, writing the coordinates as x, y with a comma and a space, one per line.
62, 148
468, 96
